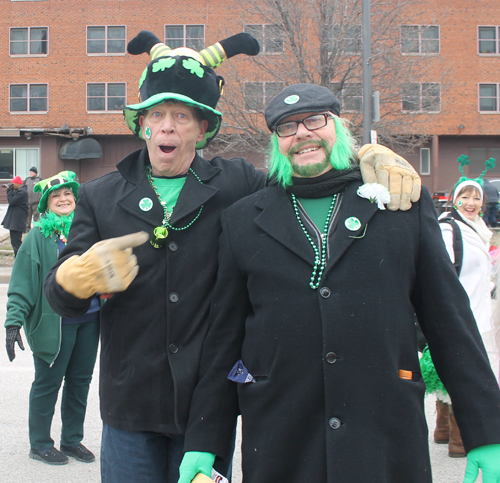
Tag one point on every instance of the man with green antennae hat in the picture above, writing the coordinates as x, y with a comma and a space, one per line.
153, 326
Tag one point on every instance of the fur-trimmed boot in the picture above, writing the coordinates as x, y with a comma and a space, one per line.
442, 431
455, 446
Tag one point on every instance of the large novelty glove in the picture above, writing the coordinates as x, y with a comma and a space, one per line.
13, 335
193, 463
488, 459
379, 164
107, 267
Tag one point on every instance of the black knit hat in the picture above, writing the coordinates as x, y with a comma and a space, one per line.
298, 99
34, 169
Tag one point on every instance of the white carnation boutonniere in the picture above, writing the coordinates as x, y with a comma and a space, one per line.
376, 193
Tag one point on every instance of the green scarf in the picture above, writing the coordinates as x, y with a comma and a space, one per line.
51, 223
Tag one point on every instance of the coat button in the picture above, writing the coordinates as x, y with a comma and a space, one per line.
172, 246
331, 358
324, 292
334, 423
173, 297
173, 348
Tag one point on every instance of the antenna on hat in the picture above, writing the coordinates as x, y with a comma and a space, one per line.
213, 56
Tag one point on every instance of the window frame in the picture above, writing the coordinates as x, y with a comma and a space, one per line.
106, 97
28, 98
263, 40
348, 39
28, 41
106, 39
428, 160
421, 99
497, 97
421, 28
15, 168
265, 98
184, 36
340, 94
496, 40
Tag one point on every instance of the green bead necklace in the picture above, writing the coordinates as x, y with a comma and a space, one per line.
160, 233
319, 256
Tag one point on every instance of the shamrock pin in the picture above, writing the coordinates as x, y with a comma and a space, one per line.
352, 223
164, 63
146, 204
194, 67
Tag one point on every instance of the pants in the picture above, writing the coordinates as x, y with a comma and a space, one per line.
32, 213
145, 457
490, 217
16, 240
74, 364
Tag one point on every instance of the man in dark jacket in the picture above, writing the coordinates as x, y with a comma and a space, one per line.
312, 335
33, 198
153, 326
492, 196
17, 212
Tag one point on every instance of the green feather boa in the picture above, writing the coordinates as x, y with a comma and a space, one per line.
51, 223
431, 378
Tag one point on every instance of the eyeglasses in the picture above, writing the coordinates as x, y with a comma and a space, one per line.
311, 123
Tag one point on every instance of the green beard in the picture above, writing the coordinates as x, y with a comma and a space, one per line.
314, 169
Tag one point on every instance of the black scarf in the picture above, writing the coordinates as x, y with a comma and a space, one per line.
327, 184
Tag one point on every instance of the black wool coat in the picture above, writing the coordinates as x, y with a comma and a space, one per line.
17, 211
152, 334
329, 403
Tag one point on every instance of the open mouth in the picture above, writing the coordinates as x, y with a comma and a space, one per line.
167, 149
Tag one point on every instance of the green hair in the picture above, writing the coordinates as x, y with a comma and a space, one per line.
342, 153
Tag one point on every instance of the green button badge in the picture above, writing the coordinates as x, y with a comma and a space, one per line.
352, 224
146, 204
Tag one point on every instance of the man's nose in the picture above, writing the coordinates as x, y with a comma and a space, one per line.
168, 123
302, 131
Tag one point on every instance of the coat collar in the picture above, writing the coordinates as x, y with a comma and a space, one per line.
277, 219
193, 195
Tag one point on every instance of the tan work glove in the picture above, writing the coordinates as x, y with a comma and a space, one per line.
108, 266
379, 164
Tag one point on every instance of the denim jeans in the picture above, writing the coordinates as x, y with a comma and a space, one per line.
145, 457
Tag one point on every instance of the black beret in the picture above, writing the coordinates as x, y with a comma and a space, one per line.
300, 98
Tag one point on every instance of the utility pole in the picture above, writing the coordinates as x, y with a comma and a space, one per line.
367, 71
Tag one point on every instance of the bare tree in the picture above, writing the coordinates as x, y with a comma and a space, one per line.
319, 41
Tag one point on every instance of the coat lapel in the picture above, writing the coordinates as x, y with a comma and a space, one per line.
278, 220
193, 195
352, 207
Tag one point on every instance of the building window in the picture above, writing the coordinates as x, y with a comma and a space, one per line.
106, 40
350, 96
347, 39
106, 97
270, 37
258, 94
190, 36
419, 39
17, 162
425, 161
477, 158
421, 97
28, 98
489, 40
488, 98
29, 41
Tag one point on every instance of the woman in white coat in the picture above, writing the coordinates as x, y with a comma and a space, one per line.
470, 254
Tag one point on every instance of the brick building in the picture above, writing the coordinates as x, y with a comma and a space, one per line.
66, 76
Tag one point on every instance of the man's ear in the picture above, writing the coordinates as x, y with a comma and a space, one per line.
141, 121
203, 127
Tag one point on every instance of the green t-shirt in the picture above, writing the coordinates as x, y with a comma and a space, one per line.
317, 209
169, 189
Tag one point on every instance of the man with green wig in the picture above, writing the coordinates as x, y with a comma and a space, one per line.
311, 333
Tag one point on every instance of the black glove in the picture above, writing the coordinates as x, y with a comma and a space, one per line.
13, 335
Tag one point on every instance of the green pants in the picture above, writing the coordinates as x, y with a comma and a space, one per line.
74, 364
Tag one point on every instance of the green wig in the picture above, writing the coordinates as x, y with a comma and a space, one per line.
342, 153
